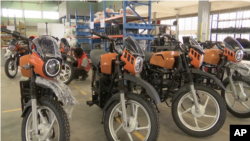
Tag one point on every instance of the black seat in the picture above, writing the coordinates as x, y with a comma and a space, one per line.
95, 56
148, 55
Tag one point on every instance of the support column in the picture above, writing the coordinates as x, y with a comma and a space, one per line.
203, 20
177, 27
154, 21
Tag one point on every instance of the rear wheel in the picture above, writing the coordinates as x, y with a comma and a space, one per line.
239, 105
205, 122
50, 114
10, 68
143, 123
67, 73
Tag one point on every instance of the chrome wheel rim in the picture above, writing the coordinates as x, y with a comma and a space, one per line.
139, 124
12, 68
44, 122
237, 103
203, 120
65, 73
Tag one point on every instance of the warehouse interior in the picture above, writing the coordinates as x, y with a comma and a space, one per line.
85, 44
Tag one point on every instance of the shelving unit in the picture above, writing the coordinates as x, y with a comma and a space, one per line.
125, 19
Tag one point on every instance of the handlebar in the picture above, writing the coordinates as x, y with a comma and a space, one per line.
14, 34
103, 36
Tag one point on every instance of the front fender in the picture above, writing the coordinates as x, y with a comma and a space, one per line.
61, 90
202, 73
149, 88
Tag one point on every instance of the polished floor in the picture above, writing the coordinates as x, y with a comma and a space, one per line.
85, 124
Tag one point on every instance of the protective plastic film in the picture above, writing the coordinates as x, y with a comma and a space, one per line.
46, 46
62, 91
242, 68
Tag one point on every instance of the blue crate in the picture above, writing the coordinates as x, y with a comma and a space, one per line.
83, 26
83, 34
141, 36
83, 40
138, 26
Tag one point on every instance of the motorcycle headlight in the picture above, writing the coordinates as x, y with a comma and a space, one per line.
202, 58
138, 65
239, 55
12, 47
52, 67
66, 49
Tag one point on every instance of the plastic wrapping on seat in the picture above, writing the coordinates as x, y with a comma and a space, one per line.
242, 68
46, 46
62, 92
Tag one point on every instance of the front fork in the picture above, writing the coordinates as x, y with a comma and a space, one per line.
33, 100
239, 95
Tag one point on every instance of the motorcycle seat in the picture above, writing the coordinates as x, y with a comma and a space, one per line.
148, 55
95, 56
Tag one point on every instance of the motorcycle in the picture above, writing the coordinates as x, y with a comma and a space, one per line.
67, 73
122, 109
227, 58
197, 110
12, 55
42, 97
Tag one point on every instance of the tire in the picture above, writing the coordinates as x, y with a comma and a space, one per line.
58, 111
6, 68
71, 71
218, 121
151, 115
229, 108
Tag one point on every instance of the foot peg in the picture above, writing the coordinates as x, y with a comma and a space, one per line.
90, 103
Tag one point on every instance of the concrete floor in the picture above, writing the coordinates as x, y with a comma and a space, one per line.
85, 124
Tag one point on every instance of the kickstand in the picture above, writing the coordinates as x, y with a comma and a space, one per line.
103, 115
167, 103
158, 111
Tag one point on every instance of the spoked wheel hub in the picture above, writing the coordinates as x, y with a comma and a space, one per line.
43, 128
198, 113
132, 124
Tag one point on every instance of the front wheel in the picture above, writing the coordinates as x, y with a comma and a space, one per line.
143, 122
238, 105
66, 74
10, 68
205, 122
49, 114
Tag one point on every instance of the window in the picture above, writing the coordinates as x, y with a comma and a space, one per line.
12, 13
50, 15
32, 14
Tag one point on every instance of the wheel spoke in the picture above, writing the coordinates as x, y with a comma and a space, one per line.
41, 116
189, 109
118, 128
141, 128
205, 105
64, 78
119, 111
130, 137
190, 97
209, 116
234, 103
245, 105
196, 123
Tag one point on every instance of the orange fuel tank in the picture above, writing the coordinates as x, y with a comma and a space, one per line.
164, 59
24, 60
106, 62
212, 56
